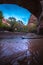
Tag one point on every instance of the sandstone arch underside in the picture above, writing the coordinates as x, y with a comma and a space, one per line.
33, 6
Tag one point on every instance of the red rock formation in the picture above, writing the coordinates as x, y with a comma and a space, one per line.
33, 19
5, 22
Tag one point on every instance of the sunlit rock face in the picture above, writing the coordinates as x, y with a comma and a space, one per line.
32, 23
4, 21
33, 19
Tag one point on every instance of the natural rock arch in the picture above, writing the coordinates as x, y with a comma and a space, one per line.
33, 5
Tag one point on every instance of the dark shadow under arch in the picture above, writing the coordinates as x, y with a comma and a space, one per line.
33, 6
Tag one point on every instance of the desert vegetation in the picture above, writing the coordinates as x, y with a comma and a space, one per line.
11, 24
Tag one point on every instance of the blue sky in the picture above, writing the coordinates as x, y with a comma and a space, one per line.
13, 10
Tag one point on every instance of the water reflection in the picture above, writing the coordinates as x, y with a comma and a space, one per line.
10, 46
17, 51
